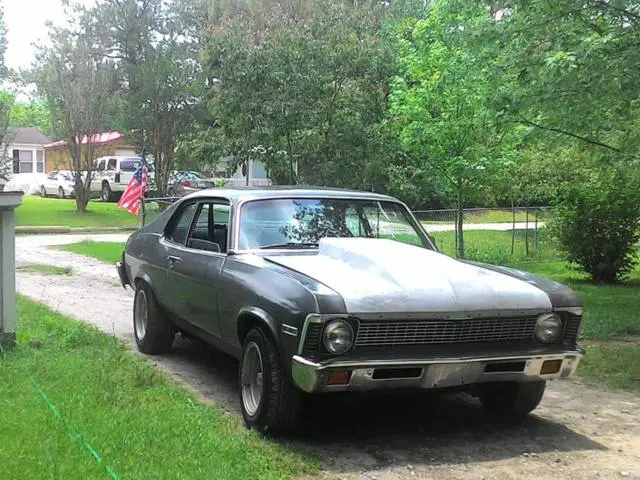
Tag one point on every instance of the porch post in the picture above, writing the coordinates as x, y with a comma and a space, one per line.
9, 201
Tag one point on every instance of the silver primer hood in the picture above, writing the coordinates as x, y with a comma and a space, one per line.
385, 276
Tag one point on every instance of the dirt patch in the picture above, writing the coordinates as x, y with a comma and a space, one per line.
578, 432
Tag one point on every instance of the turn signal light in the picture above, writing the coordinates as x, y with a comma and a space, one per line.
550, 366
340, 377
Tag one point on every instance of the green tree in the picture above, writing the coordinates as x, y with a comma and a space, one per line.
31, 114
6, 102
443, 102
154, 46
303, 87
79, 91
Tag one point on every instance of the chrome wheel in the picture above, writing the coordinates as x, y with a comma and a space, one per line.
140, 315
251, 378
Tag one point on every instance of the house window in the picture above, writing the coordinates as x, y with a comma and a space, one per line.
40, 161
22, 161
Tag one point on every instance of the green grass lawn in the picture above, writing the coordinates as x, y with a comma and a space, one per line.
36, 211
495, 246
140, 424
108, 252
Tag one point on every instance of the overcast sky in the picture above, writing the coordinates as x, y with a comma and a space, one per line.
25, 21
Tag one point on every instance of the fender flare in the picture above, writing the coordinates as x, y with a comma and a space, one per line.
264, 319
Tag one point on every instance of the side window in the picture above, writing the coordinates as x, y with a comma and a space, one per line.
180, 226
210, 229
100, 165
53, 175
111, 165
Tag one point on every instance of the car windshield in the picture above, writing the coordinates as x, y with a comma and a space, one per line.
301, 223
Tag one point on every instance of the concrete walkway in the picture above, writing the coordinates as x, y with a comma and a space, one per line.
450, 227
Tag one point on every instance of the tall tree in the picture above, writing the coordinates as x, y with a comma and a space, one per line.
31, 114
6, 103
576, 70
153, 43
442, 100
79, 90
303, 87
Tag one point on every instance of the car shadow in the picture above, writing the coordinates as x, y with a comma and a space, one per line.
359, 432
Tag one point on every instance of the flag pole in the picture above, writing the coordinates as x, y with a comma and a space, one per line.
143, 155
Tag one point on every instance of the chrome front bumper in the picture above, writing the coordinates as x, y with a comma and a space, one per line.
431, 373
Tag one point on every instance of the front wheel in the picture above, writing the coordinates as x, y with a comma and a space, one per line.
511, 399
153, 331
269, 400
43, 191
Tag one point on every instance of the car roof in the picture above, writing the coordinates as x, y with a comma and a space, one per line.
255, 193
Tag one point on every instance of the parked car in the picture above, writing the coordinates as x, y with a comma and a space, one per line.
112, 175
183, 183
59, 183
320, 290
27, 183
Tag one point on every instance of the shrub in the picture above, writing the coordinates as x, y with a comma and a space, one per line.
596, 225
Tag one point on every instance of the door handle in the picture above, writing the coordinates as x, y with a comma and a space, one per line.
173, 260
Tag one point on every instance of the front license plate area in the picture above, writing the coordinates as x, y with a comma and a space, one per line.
451, 374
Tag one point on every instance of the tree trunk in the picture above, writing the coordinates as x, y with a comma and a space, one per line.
513, 226
459, 224
526, 231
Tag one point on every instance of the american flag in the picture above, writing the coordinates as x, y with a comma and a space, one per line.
138, 186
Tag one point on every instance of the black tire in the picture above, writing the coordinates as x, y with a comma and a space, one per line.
43, 191
511, 400
156, 334
106, 195
279, 408
60, 192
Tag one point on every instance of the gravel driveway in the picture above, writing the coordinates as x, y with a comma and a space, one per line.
578, 432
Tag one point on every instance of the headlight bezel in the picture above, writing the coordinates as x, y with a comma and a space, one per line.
329, 327
542, 324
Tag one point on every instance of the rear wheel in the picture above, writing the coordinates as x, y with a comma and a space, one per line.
269, 400
511, 399
153, 331
60, 192
105, 193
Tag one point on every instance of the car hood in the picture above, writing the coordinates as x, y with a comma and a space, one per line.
385, 276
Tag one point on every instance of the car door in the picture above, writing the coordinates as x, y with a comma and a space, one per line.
193, 268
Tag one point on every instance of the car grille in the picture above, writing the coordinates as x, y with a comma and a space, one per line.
571, 329
312, 338
433, 332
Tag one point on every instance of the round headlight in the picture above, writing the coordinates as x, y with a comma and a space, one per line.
337, 337
548, 328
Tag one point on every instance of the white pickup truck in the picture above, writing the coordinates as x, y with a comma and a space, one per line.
112, 174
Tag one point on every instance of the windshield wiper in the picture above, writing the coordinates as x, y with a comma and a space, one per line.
290, 245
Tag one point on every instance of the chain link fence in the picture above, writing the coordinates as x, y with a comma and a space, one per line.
496, 235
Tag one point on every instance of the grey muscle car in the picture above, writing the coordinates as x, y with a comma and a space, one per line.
321, 290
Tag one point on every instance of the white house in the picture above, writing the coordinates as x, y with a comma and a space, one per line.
25, 150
